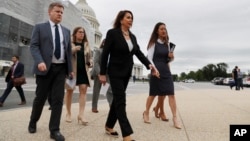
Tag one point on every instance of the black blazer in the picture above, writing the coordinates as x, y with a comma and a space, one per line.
117, 60
18, 72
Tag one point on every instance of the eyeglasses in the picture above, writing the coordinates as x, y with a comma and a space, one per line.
81, 32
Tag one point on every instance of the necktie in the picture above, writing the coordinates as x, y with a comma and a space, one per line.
12, 69
57, 43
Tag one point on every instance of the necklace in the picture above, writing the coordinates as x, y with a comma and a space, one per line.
125, 33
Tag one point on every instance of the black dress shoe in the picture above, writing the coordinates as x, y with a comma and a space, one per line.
1, 104
57, 136
32, 127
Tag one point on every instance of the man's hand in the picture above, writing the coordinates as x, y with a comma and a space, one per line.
42, 67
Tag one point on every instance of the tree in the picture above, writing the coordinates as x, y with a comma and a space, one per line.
221, 69
207, 73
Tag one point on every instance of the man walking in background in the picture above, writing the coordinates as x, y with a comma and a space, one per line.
235, 77
16, 70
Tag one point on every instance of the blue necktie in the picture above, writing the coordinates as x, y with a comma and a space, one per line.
57, 43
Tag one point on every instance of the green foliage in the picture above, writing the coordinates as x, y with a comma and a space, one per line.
207, 73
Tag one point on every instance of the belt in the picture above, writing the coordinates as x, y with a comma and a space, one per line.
57, 64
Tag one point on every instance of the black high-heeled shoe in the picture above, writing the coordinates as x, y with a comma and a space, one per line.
111, 133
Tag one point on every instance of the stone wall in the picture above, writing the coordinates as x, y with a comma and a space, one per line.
24, 14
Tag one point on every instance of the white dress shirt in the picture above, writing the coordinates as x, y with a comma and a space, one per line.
61, 59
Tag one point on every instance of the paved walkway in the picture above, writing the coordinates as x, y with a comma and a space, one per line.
205, 115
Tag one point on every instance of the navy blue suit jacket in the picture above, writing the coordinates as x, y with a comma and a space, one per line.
18, 72
41, 47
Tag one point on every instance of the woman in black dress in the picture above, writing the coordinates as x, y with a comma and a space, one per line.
81, 61
160, 56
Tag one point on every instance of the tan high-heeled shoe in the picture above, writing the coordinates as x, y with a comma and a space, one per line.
68, 118
144, 118
163, 117
156, 112
128, 138
81, 121
176, 123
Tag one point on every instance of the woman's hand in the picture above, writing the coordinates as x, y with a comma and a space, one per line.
154, 71
171, 55
102, 79
72, 75
78, 48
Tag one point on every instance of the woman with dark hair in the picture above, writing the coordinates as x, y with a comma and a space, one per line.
81, 62
160, 56
117, 61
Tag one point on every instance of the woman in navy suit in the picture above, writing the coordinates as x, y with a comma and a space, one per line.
117, 61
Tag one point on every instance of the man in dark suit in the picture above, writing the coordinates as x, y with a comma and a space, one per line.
235, 77
16, 70
97, 84
51, 50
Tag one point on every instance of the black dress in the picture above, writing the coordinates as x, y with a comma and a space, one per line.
81, 76
163, 85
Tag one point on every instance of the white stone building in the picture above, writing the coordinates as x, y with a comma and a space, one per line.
18, 17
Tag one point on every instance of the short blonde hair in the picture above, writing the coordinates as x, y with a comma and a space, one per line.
54, 4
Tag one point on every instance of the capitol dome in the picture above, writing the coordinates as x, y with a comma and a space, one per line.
89, 14
85, 8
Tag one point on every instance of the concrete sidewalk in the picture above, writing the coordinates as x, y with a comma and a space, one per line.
205, 115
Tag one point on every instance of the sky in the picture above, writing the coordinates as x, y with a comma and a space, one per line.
204, 31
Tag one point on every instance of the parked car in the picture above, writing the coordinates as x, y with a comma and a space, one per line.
228, 81
189, 81
246, 81
218, 80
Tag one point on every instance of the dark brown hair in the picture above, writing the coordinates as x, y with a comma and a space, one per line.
85, 39
120, 16
154, 35
16, 56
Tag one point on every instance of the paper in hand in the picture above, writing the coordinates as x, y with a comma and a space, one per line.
104, 89
71, 83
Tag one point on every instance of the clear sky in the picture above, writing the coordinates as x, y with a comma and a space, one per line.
204, 31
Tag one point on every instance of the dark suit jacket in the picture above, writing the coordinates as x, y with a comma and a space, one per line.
97, 62
41, 47
18, 72
121, 59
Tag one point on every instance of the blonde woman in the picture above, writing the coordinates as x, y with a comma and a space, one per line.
81, 62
